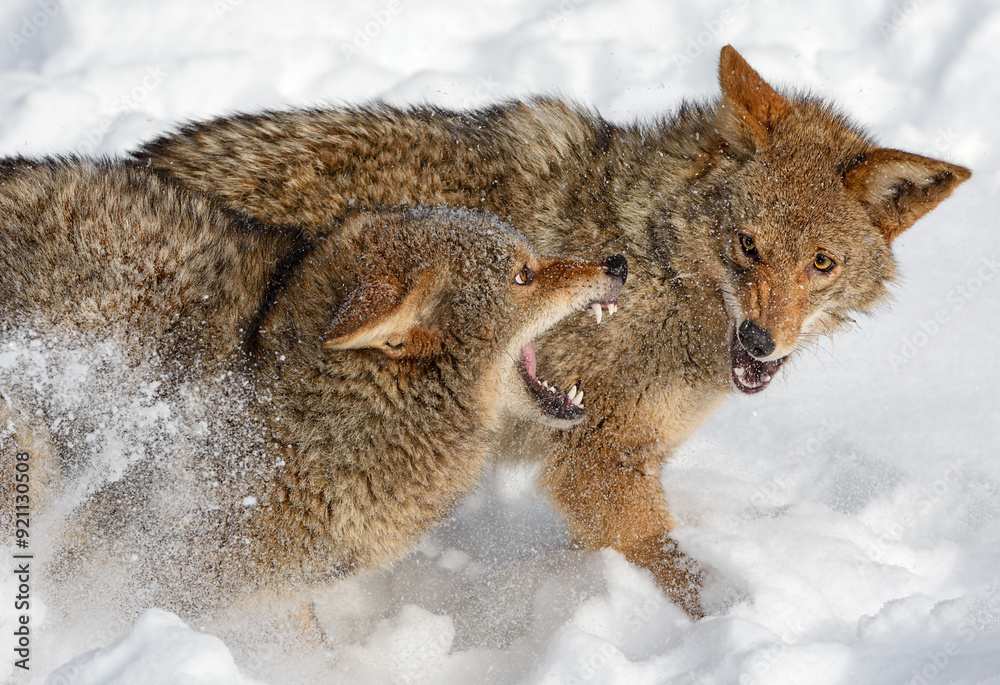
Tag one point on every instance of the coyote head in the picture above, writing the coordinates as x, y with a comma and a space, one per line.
805, 210
439, 290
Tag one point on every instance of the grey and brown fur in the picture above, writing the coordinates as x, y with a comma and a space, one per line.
752, 224
350, 384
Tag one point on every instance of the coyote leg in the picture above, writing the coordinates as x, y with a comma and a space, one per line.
613, 498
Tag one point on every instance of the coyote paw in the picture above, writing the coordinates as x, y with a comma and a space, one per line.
679, 575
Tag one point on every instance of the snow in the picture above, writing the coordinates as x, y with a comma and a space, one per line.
160, 649
851, 511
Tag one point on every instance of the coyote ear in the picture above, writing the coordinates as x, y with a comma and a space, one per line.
897, 188
750, 109
378, 315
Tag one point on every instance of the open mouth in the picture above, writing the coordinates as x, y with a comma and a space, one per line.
565, 406
751, 375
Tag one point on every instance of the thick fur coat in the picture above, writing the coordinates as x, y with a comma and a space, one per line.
752, 225
333, 398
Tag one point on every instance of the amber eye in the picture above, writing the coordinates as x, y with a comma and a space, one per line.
525, 276
823, 263
748, 244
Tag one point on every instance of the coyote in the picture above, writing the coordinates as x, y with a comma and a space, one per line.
752, 224
351, 384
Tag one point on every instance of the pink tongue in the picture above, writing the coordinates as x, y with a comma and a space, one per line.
528, 360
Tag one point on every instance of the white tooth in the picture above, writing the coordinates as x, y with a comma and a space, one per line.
577, 403
740, 372
596, 308
579, 398
612, 309
572, 393
766, 378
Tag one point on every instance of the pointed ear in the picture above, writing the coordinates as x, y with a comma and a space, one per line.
897, 188
378, 315
750, 109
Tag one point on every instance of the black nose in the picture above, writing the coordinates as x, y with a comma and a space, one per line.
755, 339
616, 265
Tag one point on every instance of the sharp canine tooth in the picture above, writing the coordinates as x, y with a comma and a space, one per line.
579, 398
572, 392
612, 308
596, 308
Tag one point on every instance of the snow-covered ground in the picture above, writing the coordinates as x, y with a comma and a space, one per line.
855, 505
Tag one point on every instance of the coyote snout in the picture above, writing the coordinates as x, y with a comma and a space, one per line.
768, 316
563, 286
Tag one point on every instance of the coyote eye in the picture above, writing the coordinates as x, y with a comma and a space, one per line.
823, 263
748, 245
525, 276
